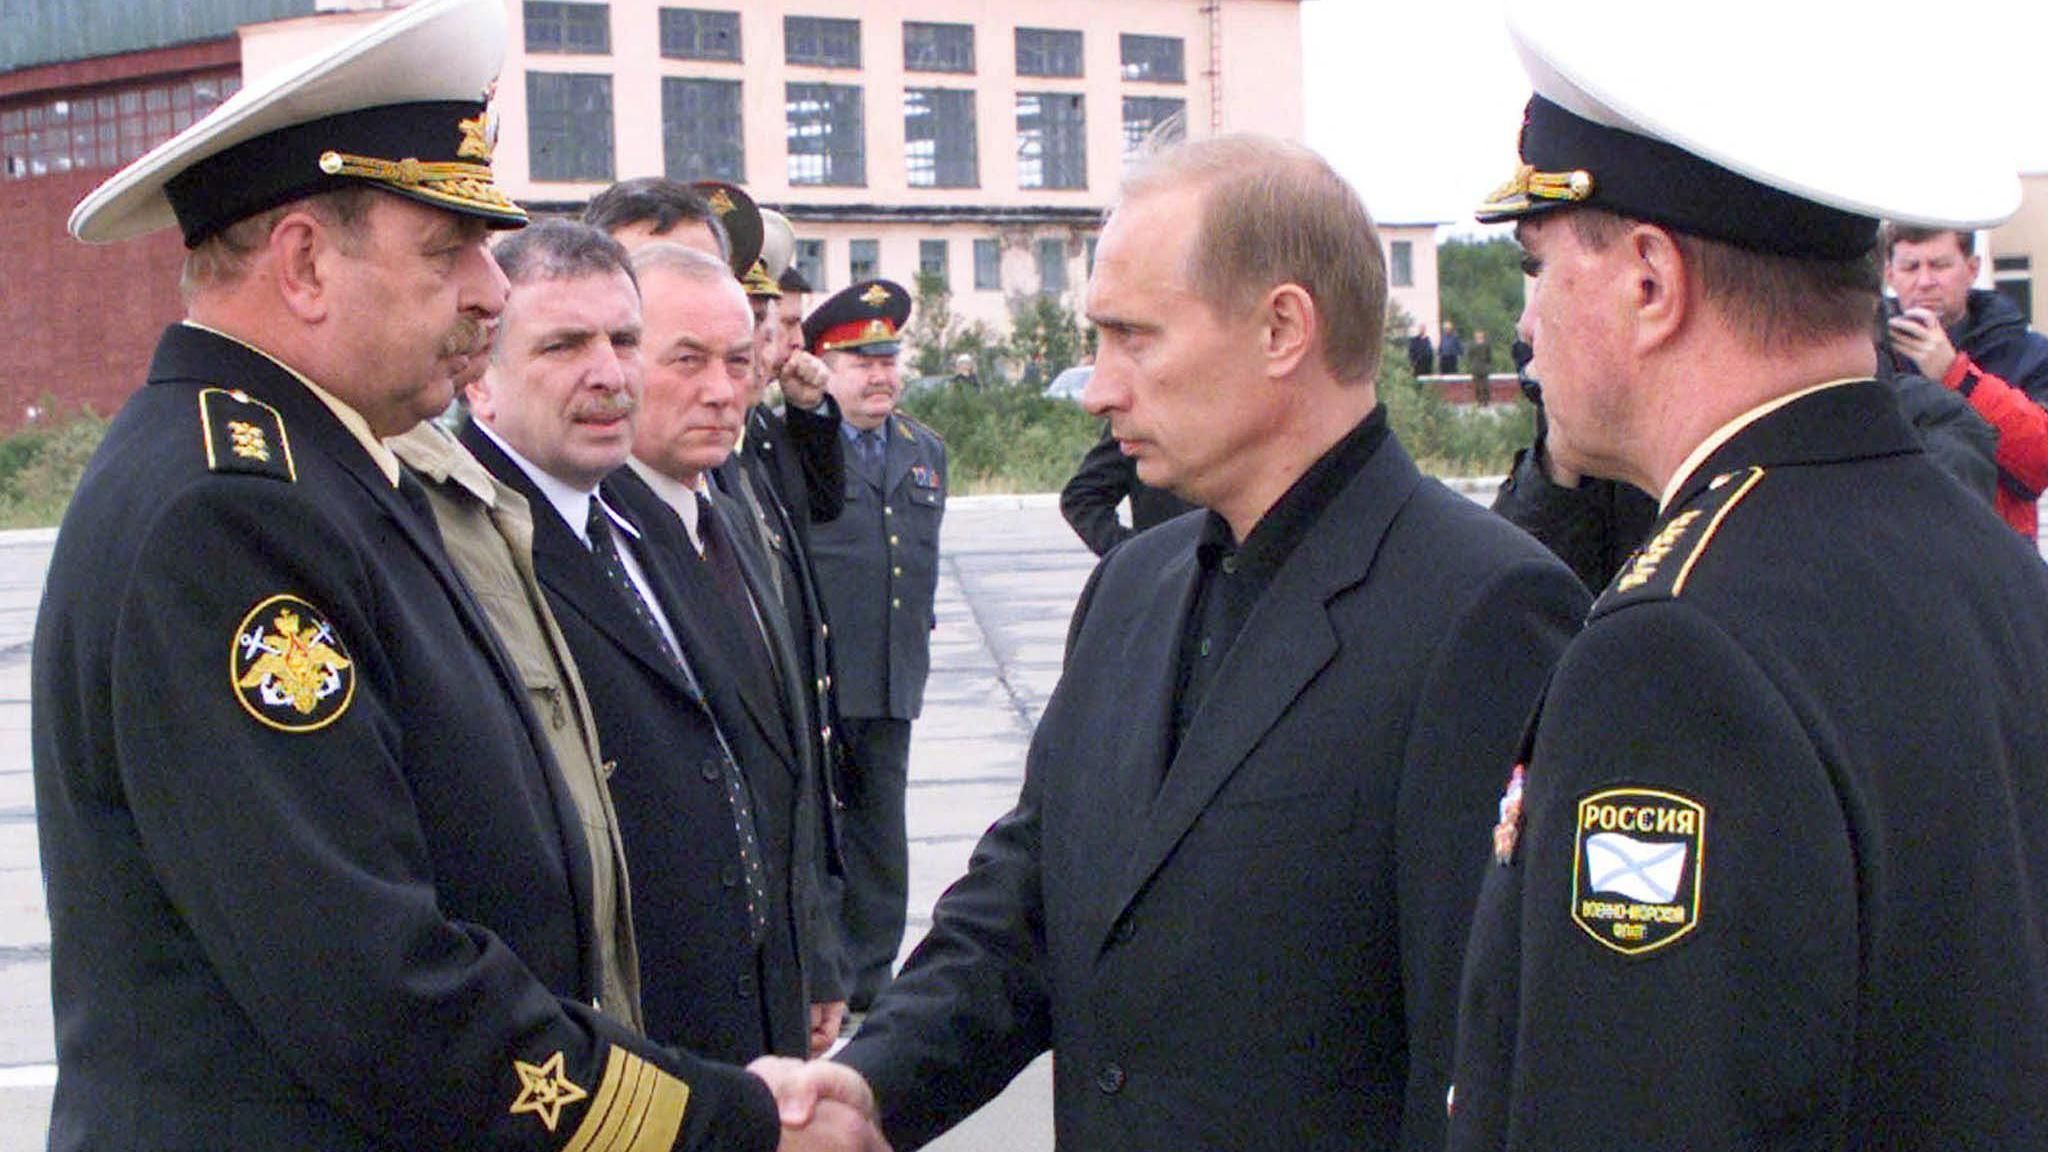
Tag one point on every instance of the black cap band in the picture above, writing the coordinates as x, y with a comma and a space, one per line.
1636, 176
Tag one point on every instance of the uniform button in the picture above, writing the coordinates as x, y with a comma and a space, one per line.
898, 570
825, 731
828, 680
888, 511
895, 602
825, 631
1230, 565
892, 541
610, 766
1126, 927
746, 986
710, 770
730, 876
1110, 1079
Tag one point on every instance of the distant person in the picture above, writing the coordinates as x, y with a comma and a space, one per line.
1480, 364
1421, 353
964, 375
1105, 479
1449, 350
878, 571
1976, 343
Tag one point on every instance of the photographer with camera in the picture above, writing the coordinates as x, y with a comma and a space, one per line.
1975, 343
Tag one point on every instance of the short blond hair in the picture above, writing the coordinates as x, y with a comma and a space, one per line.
1274, 212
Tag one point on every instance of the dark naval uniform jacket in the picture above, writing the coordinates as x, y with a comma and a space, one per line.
1775, 874
878, 570
313, 881
703, 983
1262, 950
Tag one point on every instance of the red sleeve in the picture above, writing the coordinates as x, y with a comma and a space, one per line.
2022, 425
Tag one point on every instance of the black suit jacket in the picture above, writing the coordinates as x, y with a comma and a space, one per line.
1834, 659
1263, 951
806, 460
769, 723
1103, 480
343, 928
701, 986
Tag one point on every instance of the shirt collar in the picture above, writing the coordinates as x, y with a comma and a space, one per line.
680, 497
1726, 432
350, 418
571, 504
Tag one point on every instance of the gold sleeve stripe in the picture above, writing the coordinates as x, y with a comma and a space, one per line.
638, 1108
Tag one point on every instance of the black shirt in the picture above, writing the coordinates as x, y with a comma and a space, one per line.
1234, 576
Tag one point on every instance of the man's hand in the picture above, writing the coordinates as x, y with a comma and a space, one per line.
801, 1089
803, 380
1918, 335
826, 1019
833, 1128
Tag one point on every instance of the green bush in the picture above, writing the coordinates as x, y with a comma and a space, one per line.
1455, 440
1006, 438
40, 467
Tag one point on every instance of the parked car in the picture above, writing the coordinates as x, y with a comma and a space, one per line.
1068, 384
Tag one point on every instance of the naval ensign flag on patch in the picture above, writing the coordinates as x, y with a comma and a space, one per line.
1638, 861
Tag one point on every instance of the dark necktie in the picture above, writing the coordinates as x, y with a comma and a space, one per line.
606, 549
738, 603
868, 446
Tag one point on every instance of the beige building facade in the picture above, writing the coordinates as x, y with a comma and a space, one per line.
2019, 251
977, 141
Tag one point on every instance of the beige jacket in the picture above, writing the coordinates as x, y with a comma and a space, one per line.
488, 531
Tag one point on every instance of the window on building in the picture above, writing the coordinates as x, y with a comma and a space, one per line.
1401, 263
699, 34
863, 259
1158, 59
810, 260
931, 265
938, 47
1048, 52
2013, 277
938, 137
821, 41
700, 130
106, 130
827, 141
988, 265
569, 126
1052, 140
1091, 255
1052, 267
579, 29
1152, 122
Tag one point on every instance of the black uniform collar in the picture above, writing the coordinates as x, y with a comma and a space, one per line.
1853, 421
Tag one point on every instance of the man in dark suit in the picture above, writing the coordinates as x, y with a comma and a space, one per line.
1233, 893
709, 846
699, 337
878, 570
1771, 866
313, 879
1105, 479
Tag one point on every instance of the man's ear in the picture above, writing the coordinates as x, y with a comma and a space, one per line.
1661, 293
302, 251
1289, 328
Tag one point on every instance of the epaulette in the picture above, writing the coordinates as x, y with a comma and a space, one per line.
1659, 568
243, 434
905, 422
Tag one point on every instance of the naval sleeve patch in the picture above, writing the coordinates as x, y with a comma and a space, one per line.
1638, 857
289, 668
243, 434
1660, 568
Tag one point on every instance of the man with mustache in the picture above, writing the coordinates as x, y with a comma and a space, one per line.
554, 417
313, 878
878, 569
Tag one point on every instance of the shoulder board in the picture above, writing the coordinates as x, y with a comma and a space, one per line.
243, 434
908, 426
1659, 568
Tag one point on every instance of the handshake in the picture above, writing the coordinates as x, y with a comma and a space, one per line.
823, 1105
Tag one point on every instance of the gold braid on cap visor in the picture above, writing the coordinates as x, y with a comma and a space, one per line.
466, 185
1529, 186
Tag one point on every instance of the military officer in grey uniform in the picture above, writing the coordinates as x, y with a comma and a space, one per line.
878, 569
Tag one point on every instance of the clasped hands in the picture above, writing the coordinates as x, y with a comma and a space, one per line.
823, 1105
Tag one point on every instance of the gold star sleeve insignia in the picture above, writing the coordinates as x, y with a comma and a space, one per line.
544, 1090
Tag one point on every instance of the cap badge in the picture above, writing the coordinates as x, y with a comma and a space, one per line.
289, 668
875, 296
721, 202
479, 136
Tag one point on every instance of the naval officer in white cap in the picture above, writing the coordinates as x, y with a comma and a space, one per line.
1771, 869
313, 880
